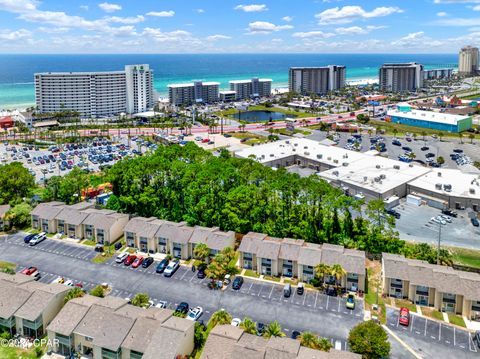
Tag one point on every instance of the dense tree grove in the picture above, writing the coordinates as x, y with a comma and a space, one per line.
16, 183
191, 184
68, 188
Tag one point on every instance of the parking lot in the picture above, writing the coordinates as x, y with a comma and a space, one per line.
432, 332
415, 224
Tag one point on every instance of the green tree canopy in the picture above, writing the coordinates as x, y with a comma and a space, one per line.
19, 215
74, 293
221, 317
370, 340
16, 183
140, 300
98, 291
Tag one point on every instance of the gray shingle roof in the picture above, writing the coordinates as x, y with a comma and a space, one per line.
351, 260
12, 298
251, 241
141, 334
176, 232
48, 210
269, 248
307, 353
102, 219
68, 318
17, 278
71, 216
290, 249
143, 227
310, 254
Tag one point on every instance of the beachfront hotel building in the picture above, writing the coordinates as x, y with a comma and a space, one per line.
435, 74
318, 80
96, 94
401, 77
194, 92
468, 59
245, 89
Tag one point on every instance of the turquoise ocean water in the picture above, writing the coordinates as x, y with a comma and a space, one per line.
16, 71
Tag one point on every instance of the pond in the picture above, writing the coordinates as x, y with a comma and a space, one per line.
260, 116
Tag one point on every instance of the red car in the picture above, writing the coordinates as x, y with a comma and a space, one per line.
29, 270
404, 317
137, 262
130, 259
79, 285
205, 140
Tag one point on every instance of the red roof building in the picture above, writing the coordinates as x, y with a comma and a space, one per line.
6, 122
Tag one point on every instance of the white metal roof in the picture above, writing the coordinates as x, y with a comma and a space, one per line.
430, 116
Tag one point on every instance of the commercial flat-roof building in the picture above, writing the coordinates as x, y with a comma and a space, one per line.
255, 87
405, 115
468, 60
95, 94
227, 96
401, 77
317, 80
195, 92
441, 287
296, 258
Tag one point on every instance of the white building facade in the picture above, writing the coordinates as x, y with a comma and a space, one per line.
401, 77
95, 94
195, 92
245, 89
318, 80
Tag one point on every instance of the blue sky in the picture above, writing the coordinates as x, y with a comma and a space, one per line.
226, 26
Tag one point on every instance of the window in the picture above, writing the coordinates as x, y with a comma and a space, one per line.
88, 339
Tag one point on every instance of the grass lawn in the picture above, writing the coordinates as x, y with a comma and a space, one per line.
102, 258
7, 266
296, 114
457, 320
285, 132
432, 313
254, 142
371, 297
471, 97
15, 353
290, 281
466, 257
88, 242
407, 304
251, 273
269, 277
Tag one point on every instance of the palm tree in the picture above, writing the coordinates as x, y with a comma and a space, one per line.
370, 132
201, 251
220, 317
74, 293
248, 326
324, 344
308, 340
273, 330
140, 300
440, 135
228, 252
321, 270
338, 272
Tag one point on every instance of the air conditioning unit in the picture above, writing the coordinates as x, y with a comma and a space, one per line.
377, 167
382, 176
335, 161
335, 173
472, 190
365, 179
345, 164
329, 158
377, 179
396, 167
439, 174
272, 155
287, 141
305, 147
306, 153
438, 186
319, 157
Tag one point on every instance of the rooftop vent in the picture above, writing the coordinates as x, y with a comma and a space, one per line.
396, 167
287, 141
306, 153
439, 174
335, 161
345, 164
320, 156
438, 186
365, 178
335, 173
472, 190
382, 176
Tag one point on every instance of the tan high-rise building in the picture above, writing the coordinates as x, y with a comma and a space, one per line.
468, 60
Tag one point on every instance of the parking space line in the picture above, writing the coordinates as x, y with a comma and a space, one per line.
471, 344
184, 274
426, 321
339, 301
315, 304
411, 325
251, 285
271, 290
304, 297
454, 336
328, 300
439, 331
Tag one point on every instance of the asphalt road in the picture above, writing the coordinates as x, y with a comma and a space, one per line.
263, 302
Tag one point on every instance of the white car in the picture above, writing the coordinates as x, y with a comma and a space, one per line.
438, 220
121, 257
171, 268
446, 218
69, 283
236, 322
161, 304
195, 313
38, 238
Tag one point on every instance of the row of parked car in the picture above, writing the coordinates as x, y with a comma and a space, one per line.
34, 239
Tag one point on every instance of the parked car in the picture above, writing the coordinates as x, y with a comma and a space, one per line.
477, 337
404, 318
331, 291
424, 148
474, 221
195, 313
300, 288
182, 308
38, 238
147, 262
161, 304
171, 268
260, 329
237, 283
130, 259
450, 213
136, 263
287, 290
236, 322
394, 213
350, 303
438, 220
448, 219
121, 257
162, 265
29, 270
28, 238
201, 270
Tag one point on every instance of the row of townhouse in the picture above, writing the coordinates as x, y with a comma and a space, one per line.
441, 287
110, 328
81, 221
27, 307
152, 235
297, 258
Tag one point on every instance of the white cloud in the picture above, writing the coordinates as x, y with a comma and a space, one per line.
251, 8
287, 18
200, 11
417, 40
53, 30
108, 7
458, 22
18, 5
124, 20
84, 7
348, 14
441, 14
169, 13
476, 8
172, 36
313, 34
8, 35
456, 1
357, 30
264, 27
218, 37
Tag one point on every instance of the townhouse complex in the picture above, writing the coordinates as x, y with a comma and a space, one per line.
441, 287
96, 94
226, 342
111, 328
28, 307
367, 175
296, 258
79, 221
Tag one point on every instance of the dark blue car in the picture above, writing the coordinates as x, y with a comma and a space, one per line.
28, 238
